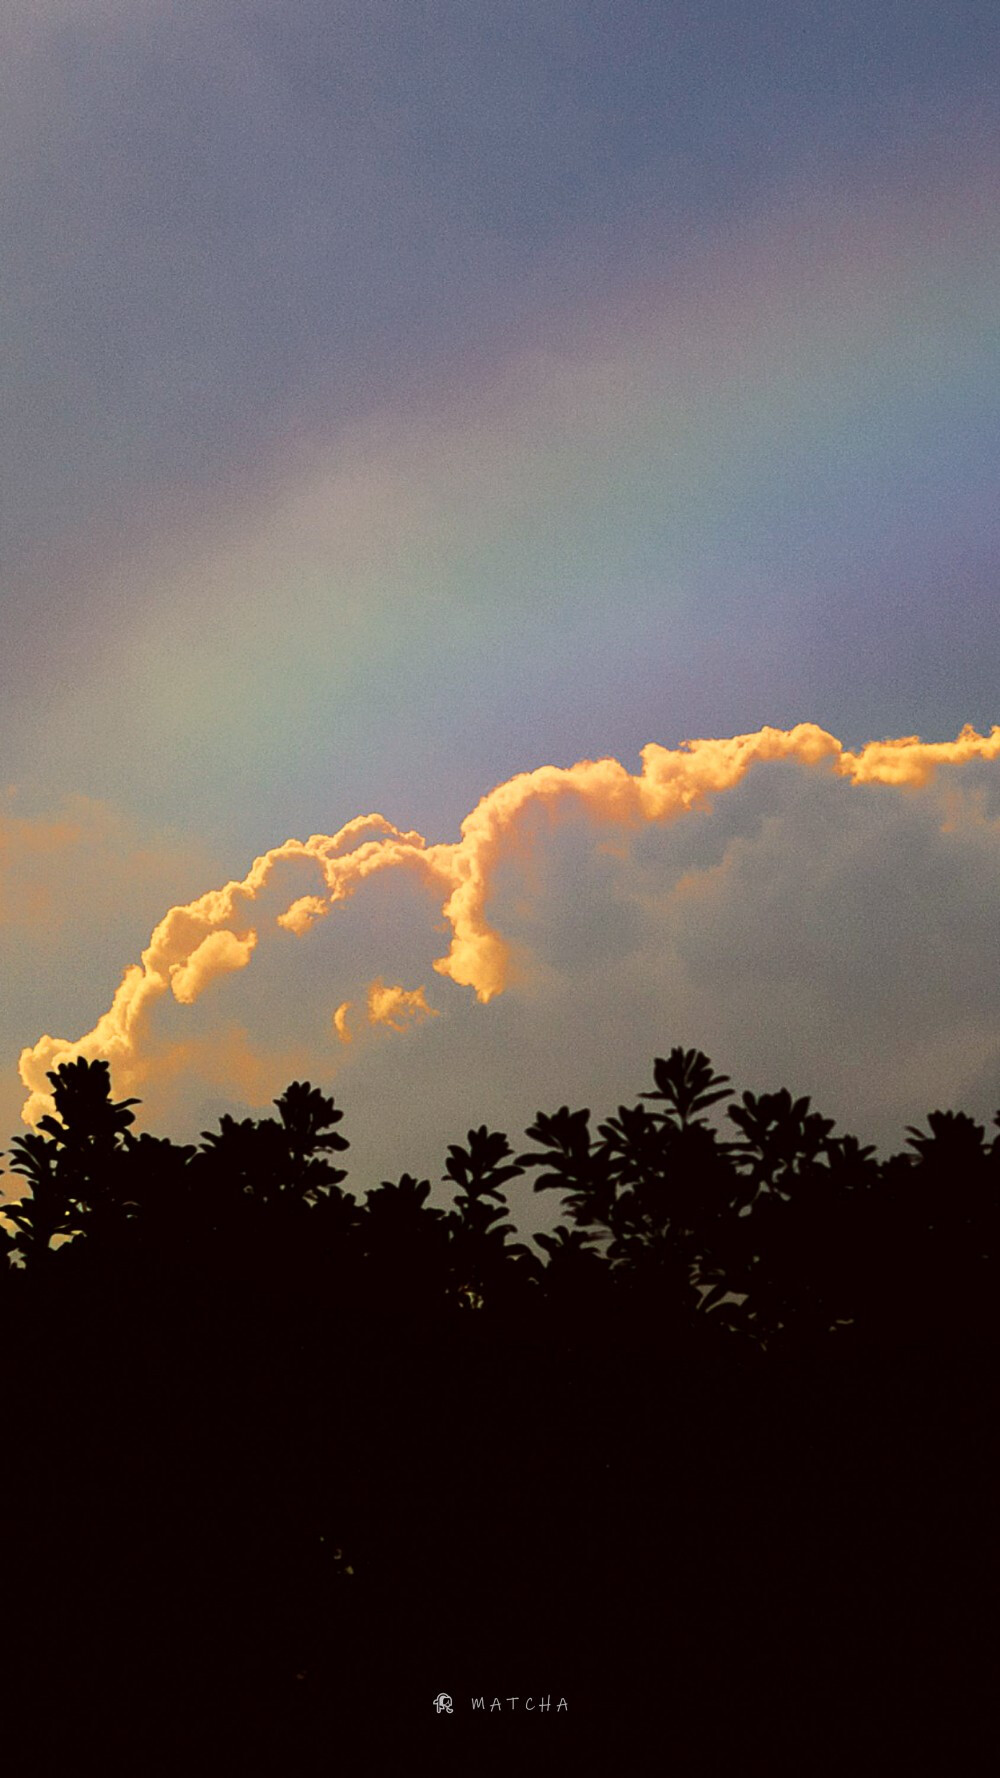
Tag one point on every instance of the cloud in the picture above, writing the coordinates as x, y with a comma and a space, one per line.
80, 860
219, 952
397, 1007
27, 849
302, 914
745, 918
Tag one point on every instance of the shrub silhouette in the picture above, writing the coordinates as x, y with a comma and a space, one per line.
276, 1439
75, 1163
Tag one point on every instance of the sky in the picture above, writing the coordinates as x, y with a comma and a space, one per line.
404, 404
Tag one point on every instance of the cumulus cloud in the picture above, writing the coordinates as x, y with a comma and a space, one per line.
772, 896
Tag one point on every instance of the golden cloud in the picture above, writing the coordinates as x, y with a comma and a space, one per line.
397, 1007
195, 942
218, 953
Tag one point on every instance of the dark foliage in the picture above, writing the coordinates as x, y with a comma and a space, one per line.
708, 1458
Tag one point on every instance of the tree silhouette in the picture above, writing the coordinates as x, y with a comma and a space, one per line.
283, 1158
48, 1211
688, 1085
733, 1404
576, 1166
405, 1242
481, 1251
75, 1162
309, 1121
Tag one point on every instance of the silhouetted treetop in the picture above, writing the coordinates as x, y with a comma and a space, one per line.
75, 1163
479, 1169
284, 1157
687, 1084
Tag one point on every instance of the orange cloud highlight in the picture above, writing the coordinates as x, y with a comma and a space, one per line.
302, 914
193, 943
218, 953
397, 1007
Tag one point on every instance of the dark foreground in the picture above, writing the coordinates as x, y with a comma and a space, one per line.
214, 1566
710, 1491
